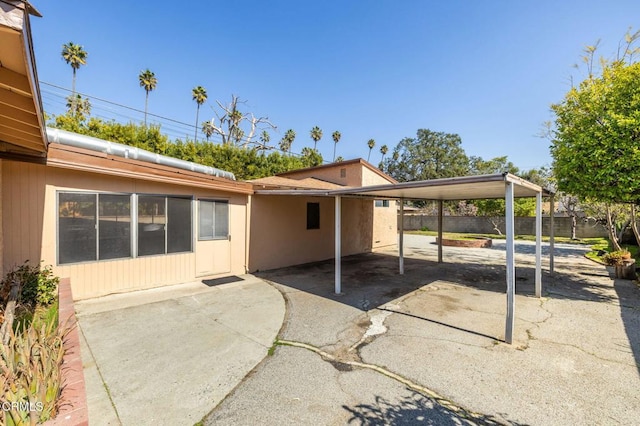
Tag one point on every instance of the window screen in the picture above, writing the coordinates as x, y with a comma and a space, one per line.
213, 219
313, 215
114, 226
76, 227
178, 225
382, 203
151, 225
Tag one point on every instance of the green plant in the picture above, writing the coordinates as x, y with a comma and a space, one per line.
616, 257
30, 382
37, 284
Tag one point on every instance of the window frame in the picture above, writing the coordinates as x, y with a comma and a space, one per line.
134, 223
383, 203
213, 237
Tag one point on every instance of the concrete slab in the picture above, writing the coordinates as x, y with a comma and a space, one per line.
575, 360
168, 356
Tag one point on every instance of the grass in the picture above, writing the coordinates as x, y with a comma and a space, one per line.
470, 236
605, 246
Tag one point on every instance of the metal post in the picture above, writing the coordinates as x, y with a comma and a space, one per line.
338, 241
440, 226
511, 270
401, 238
552, 208
538, 274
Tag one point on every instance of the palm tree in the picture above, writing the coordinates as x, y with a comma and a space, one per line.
199, 94
265, 137
76, 56
316, 135
371, 143
336, 138
287, 140
78, 106
207, 129
383, 150
339, 159
148, 82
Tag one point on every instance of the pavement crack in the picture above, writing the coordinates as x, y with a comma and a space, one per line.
443, 401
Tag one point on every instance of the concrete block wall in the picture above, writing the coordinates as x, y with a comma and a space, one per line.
482, 225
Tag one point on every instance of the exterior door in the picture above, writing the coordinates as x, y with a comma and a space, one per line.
213, 247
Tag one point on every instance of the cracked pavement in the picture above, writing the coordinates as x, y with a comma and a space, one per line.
427, 347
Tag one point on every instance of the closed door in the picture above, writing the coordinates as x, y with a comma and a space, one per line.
213, 247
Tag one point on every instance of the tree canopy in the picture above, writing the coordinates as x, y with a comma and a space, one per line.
430, 155
596, 143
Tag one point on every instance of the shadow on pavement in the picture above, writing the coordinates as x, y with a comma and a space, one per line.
627, 292
415, 409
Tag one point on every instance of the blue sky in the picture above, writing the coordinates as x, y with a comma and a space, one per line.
486, 70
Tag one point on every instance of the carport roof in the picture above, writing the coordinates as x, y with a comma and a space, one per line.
458, 188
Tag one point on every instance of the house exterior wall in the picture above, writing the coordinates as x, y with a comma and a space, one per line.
279, 236
30, 229
385, 228
352, 174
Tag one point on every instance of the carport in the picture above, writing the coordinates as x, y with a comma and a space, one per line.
495, 186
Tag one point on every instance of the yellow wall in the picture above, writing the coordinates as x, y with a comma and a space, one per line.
279, 235
29, 228
385, 219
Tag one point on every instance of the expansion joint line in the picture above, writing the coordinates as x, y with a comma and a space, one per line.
463, 412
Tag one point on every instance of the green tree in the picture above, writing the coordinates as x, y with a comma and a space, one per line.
148, 82
336, 138
596, 134
198, 94
430, 155
316, 135
371, 144
265, 137
478, 166
310, 157
287, 141
79, 107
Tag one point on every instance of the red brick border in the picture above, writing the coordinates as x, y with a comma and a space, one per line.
73, 398
475, 243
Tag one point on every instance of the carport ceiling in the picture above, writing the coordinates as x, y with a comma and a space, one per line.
458, 188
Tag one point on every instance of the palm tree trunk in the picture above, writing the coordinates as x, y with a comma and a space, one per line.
369, 156
73, 93
334, 152
195, 137
146, 103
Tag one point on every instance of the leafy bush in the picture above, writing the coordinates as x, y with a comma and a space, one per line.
616, 257
37, 284
31, 378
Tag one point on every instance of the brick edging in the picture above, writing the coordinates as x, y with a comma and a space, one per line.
73, 398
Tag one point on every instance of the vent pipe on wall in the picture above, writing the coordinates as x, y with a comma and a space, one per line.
64, 137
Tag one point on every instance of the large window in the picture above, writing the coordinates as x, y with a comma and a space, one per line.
93, 227
164, 225
213, 219
99, 226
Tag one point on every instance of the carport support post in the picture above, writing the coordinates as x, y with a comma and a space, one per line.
401, 238
440, 221
552, 208
338, 241
538, 279
511, 269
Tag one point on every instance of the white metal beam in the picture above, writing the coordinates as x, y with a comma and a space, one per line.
511, 270
440, 226
552, 203
338, 247
401, 238
538, 275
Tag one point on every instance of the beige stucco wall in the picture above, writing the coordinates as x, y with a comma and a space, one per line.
279, 235
353, 174
385, 219
29, 228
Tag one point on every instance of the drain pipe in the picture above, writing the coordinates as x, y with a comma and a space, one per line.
64, 137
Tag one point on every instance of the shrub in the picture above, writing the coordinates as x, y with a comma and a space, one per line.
37, 284
424, 229
30, 382
616, 257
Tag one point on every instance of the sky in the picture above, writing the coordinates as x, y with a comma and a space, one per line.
485, 70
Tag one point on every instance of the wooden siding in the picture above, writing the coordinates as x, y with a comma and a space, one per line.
30, 229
